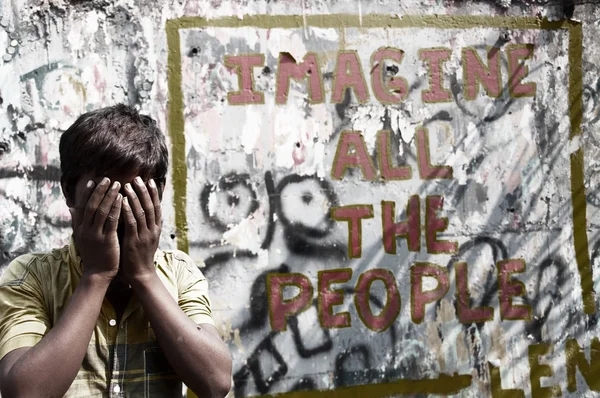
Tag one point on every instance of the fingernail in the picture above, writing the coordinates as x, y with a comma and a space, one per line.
128, 187
104, 181
125, 201
90, 183
115, 185
138, 180
151, 183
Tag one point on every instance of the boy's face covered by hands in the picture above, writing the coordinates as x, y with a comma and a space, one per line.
116, 224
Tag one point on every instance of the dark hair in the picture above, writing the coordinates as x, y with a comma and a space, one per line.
113, 140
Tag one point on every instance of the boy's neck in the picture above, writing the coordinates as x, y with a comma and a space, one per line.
118, 295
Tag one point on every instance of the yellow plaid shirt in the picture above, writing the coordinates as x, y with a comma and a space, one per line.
122, 360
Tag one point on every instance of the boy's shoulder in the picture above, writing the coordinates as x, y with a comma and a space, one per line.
176, 255
41, 264
179, 260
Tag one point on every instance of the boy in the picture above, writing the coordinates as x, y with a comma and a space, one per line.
110, 313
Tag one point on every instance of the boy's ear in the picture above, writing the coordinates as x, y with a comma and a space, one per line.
67, 193
161, 184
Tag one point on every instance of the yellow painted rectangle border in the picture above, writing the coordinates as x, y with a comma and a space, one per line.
175, 124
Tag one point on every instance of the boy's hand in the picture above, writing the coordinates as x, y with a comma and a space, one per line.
142, 216
94, 222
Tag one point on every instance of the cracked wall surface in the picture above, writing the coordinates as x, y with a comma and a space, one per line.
384, 114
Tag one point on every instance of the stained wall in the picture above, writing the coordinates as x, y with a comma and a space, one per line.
386, 197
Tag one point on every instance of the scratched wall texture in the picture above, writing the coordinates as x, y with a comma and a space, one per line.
257, 185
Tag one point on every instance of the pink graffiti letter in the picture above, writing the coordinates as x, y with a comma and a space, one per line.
352, 152
279, 308
243, 66
433, 225
508, 289
409, 229
420, 298
397, 88
390, 311
435, 58
388, 170
348, 73
288, 69
426, 170
518, 70
466, 314
353, 215
474, 72
328, 298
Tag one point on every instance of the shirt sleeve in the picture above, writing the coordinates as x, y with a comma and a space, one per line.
23, 316
193, 289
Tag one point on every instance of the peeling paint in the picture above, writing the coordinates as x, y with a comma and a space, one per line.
251, 188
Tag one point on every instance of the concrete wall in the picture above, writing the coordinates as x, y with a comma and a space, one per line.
478, 141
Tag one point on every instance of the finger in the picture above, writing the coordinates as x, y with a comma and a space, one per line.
94, 201
156, 202
112, 220
135, 206
82, 200
129, 219
106, 206
145, 200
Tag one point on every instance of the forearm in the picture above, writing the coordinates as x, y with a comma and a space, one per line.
199, 357
49, 368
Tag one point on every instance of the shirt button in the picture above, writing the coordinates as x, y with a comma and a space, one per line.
117, 389
112, 322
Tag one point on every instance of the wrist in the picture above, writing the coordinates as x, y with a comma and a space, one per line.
142, 280
96, 280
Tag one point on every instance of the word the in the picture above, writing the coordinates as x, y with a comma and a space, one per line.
409, 229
